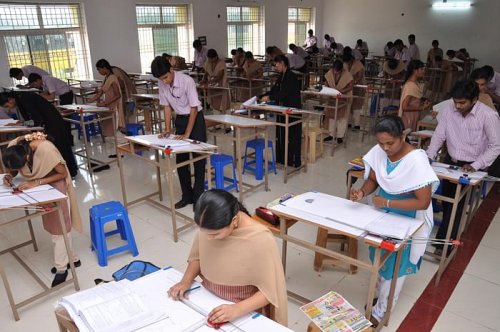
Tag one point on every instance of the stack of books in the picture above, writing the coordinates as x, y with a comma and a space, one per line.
332, 313
357, 164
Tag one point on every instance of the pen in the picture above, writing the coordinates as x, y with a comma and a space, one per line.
191, 289
255, 316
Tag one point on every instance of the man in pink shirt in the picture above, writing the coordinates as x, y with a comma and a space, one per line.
472, 134
178, 94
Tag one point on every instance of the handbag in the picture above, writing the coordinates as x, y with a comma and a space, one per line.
134, 270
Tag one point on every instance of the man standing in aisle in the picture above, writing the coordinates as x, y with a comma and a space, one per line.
472, 134
178, 94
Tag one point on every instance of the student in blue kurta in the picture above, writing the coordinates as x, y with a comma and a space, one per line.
406, 181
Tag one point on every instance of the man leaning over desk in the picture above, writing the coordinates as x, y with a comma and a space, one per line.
178, 93
472, 134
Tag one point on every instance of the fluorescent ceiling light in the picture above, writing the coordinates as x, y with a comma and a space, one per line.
452, 5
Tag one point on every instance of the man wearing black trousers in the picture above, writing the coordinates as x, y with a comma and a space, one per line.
178, 93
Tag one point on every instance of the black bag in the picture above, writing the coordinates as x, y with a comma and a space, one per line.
134, 270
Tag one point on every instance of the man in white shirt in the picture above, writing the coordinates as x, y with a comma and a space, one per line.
19, 73
311, 40
51, 87
327, 43
402, 53
413, 48
362, 47
200, 55
296, 62
298, 51
178, 94
493, 87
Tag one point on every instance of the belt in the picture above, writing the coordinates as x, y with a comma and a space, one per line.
186, 115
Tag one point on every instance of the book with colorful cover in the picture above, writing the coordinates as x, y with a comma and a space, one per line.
332, 313
357, 163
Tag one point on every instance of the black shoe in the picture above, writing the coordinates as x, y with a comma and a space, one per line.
59, 278
182, 203
78, 263
340, 140
227, 130
357, 127
100, 168
328, 139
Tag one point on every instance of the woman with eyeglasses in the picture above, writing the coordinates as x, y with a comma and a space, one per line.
178, 94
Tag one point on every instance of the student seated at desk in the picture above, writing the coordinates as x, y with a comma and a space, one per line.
406, 182
237, 260
39, 161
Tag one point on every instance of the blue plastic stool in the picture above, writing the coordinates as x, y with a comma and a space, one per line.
134, 128
257, 165
218, 162
100, 215
91, 129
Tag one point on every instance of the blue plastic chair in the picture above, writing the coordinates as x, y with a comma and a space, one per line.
134, 128
257, 165
102, 214
218, 162
91, 129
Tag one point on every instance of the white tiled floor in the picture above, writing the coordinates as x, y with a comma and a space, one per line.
153, 232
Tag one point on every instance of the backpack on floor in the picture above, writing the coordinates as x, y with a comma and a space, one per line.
134, 270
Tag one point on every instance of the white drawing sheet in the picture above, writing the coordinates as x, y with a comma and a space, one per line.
330, 91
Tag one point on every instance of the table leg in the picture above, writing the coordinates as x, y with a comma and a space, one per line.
158, 175
8, 290
239, 166
321, 241
266, 161
66, 244
119, 155
373, 282
285, 166
171, 196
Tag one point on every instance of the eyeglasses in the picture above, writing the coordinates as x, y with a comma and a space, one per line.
171, 90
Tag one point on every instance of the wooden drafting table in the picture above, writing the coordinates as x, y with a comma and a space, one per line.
149, 103
103, 113
34, 202
169, 165
239, 123
335, 214
20, 89
293, 117
444, 173
12, 129
211, 91
340, 101
422, 134
169, 315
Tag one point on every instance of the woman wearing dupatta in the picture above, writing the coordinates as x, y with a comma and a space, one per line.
112, 98
237, 260
39, 161
406, 182
252, 69
357, 70
412, 104
216, 75
339, 78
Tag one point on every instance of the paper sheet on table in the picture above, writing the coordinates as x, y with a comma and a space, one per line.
251, 101
163, 142
330, 91
393, 226
444, 169
442, 105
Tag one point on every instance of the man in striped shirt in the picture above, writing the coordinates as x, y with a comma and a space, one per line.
472, 134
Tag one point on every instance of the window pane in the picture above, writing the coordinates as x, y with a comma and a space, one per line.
148, 15
233, 14
60, 16
77, 64
292, 14
17, 17
147, 51
175, 15
18, 51
304, 14
249, 14
165, 41
291, 33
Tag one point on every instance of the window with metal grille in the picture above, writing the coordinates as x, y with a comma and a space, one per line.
299, 21
49, 36
164, 29
245, 28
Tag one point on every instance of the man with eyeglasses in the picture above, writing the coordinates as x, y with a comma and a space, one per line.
178, 94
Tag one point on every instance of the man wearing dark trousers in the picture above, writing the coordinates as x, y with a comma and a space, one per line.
472, 134
178, 94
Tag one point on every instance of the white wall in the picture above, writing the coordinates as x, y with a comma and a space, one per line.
378, 21
112, 28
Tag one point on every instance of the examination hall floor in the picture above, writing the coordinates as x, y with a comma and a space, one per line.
466, 300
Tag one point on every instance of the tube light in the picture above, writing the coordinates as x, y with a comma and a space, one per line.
452, 5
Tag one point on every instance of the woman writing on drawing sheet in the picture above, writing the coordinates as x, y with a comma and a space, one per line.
40, 163
406, 182
237, 260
